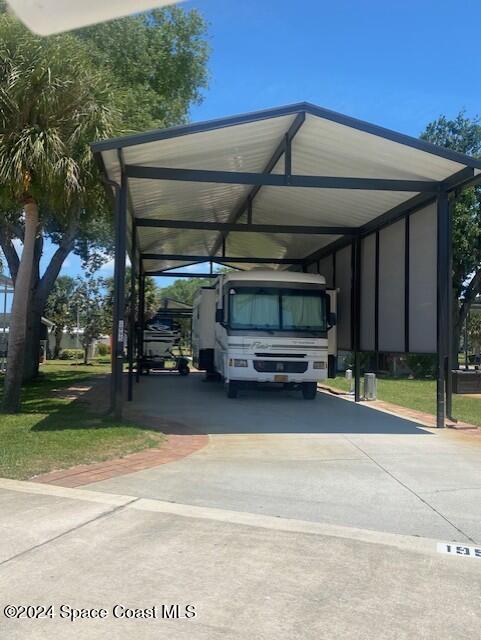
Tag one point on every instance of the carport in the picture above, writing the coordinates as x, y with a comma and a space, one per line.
296, 187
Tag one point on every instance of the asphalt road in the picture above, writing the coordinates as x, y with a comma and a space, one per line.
245, 576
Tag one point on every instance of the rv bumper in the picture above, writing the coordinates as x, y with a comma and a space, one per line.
278, 371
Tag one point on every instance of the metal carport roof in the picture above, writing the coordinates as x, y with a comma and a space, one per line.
286, 188
233, 170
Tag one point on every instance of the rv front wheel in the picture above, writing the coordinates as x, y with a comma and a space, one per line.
232, 389
309, 390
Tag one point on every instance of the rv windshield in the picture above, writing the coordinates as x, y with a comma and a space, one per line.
277, 309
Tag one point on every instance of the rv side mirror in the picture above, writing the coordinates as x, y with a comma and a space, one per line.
331, 319
219, 315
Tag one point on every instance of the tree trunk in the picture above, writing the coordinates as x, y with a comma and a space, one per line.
40, 287
18, 322
58, 342
31, 360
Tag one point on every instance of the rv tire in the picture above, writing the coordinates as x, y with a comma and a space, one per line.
232, 389
309, 390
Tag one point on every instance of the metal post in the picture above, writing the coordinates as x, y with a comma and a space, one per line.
443, 285
140, 345
137, 326
466, 346
450, 341
131, 339
119, 299
356, 316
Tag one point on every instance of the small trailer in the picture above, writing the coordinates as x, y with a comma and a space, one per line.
263, 326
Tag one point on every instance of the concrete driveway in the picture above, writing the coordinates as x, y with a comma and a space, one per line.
326, 461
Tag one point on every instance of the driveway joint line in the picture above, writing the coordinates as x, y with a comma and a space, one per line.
413, 492
451, 490
69, 531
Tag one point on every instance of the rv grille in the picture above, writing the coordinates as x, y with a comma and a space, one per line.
281, 355
279, 366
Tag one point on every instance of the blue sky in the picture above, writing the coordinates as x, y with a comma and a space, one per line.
397, 64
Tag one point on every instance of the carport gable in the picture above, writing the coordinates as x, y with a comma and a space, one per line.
301, 187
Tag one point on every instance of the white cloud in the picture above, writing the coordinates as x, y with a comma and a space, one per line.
107, 266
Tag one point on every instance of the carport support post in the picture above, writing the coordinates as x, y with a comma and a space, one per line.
356, 316
119, 300
443, 285
140, 320
131, 338
449, 359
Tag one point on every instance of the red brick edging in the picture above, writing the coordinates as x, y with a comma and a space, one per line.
174, 448
426, 419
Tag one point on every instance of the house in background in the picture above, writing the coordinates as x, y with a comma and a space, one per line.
47, 328
73, 340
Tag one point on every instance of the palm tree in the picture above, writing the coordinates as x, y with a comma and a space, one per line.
52, 102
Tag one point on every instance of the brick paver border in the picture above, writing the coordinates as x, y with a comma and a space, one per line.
426, 419
174, 448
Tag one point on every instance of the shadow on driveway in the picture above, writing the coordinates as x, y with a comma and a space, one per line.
193, 405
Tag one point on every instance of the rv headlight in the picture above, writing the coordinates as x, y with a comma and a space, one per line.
319, 365
240, 363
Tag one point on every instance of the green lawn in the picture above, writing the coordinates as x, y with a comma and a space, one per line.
52, 432
419, 395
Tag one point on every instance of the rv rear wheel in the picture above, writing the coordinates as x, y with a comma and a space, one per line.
232, 389
309, 390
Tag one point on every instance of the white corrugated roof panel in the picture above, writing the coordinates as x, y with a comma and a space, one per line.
325, 144
185, 200
327, 148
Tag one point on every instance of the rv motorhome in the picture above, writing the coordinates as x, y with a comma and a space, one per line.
265, 326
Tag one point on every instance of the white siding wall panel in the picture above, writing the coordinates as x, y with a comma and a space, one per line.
368, 290
344, 284
422, 280
391, 287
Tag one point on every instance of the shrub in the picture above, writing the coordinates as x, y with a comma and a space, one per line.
71, 354
103, 349
422, 365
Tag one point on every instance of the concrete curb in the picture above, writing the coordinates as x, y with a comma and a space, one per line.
407, 543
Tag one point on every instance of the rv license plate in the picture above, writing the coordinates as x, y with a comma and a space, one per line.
280, 378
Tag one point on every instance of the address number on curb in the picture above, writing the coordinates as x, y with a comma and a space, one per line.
459, 550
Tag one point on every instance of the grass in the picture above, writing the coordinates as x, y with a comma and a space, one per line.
54, 432
419, 395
